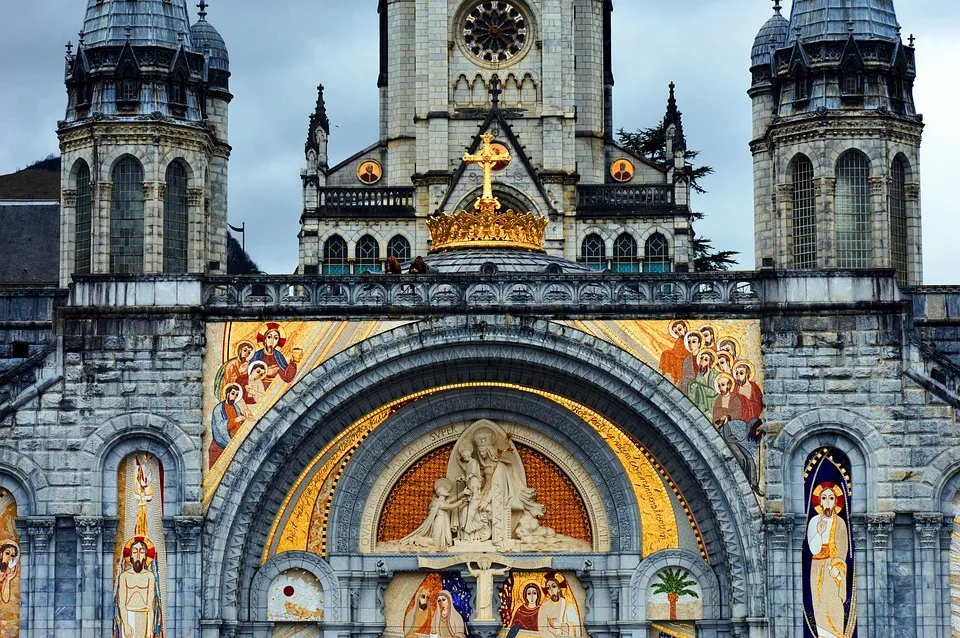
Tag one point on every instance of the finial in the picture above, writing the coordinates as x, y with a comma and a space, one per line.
203, 9
797, 31
81, 34
776, 6
69, 48
911, 40
850, 26
128, 30
495, 91
180, 35
487, 158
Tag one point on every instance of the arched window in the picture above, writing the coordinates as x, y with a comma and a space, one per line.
368, 255
898, 218
335, 256
175, 220
178, 90
126, 218
399, 247
128, 86
593, 252
625, 257
853, 211
84, 224
804, 215
656, 254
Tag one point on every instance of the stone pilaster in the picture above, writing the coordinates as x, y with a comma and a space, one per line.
188, 530
927, 534
40, 587
779, 528
783, 223
196, 231
100, 257
879, 528
89, 531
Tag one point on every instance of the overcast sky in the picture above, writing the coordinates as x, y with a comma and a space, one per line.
280, 50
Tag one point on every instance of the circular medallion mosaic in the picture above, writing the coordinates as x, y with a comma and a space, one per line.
495, 31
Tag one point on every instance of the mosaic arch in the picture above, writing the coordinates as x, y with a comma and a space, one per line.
249, 366
397, 507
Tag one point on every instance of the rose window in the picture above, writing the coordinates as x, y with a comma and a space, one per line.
495, 31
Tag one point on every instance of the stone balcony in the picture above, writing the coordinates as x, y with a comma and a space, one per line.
605, 200
364, 203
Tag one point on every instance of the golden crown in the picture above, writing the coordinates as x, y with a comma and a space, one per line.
484, 227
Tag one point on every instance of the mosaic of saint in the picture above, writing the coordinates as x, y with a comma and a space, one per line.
484, 503
539, 605
141, 558
434, 605
9, 566
829, 580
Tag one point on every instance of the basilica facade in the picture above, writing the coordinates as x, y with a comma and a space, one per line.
496, 399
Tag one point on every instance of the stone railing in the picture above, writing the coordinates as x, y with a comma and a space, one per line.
458, 293
611, 199
364, 202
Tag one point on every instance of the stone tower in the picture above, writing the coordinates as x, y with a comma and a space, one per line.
144, 143
836, 140
537, 74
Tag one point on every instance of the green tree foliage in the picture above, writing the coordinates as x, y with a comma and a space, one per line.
651, 143
674, 583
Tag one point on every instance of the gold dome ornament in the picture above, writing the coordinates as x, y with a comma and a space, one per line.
484, 227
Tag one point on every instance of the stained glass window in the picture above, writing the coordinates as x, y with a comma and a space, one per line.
853, 211
656, 254
84, 219
898, 219
175, 220
804, 215
625, 257
126, 218
368, 254
495, 31
335, 256
399, 247
593, 252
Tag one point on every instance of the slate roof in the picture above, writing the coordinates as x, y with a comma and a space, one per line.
777, 28
30, 241
151, 22
204, 37
830, 20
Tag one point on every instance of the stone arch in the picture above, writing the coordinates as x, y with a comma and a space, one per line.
443, 350
647, 232
116, 155
311, 563
116, 439
26, 480
569, 432
506, 192
694, 564
850, 433
187, 165
941, 480
75, 168
873, 156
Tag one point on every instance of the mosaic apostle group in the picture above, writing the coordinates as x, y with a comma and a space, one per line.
243, 381
707, 368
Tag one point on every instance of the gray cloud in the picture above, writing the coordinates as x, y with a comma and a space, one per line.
281, 50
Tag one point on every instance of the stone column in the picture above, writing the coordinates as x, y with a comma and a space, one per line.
779, 584
880, 217
40, 532
100, 228
196, 233
861, 568
783, 226
827, 225
945, 603
188, 541
914, 234
879, 527
89, 531
153, 192
927, 535
795, 572
68, 234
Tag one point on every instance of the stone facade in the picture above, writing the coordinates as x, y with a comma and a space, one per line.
108, 371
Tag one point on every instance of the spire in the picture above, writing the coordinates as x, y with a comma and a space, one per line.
318, 119
203, 9
674, 118
776, 7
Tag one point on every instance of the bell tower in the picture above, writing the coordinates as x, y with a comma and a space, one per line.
836, 140
144, 143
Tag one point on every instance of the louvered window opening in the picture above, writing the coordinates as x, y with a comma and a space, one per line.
593, 252
656, 254
368, 255
625, 258
898, 220
853, 213
126, 219
84, 226
175, 221
335, 257
804, 215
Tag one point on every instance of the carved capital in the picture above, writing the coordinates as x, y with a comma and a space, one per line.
161, 191
929, 527
89, 530
830, 186
880, 526
150, 189
876, 184
779, 528
69, 197
785, 192
40, 531
912, 191
188, 532
106, 190
195, 197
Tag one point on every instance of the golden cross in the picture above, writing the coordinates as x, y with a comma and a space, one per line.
487, 158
